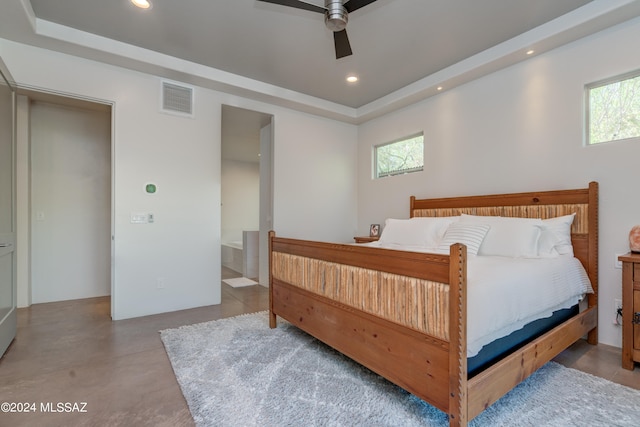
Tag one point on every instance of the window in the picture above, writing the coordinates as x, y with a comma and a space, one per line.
399, 157
613, 109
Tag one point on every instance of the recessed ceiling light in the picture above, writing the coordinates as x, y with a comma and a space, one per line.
352, 78
142, 4
439, 88
530, 52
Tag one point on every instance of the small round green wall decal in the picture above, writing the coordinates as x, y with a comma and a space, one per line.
150, 188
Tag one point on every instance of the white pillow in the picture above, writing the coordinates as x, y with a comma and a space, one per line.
555, 237
419, 231
509, 237
434, 228
468, 234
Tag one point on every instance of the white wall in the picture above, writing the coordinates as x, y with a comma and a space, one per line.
314, 178
240, 198
520, 129
180, 155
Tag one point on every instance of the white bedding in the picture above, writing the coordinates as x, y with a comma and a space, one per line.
504, 294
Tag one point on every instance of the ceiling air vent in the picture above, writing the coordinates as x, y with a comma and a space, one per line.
177, 99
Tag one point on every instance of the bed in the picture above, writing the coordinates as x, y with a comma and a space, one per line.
403, 314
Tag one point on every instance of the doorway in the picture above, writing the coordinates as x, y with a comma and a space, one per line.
70, 185
246, 194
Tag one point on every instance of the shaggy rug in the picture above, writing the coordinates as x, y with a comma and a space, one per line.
238, 372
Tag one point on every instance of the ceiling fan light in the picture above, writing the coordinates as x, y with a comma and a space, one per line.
336, 16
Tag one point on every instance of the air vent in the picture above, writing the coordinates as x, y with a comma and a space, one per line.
177, 99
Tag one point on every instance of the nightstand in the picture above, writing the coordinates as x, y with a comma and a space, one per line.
365, 239
630, 309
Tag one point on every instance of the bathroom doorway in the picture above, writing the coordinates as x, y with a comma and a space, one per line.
246, 196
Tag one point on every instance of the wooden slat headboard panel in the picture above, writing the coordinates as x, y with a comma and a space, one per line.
580, 222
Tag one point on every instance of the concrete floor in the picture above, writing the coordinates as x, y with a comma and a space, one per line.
71, 352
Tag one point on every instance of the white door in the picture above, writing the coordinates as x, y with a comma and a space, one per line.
70, 202
266, 199
8, 282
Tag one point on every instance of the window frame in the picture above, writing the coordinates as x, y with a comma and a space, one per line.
395, 141
587, 108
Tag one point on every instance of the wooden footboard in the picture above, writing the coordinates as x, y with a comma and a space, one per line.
404, 314
495, 381
394, 312
413, 361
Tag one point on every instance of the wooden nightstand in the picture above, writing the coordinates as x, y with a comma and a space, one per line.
365, 239
630, 309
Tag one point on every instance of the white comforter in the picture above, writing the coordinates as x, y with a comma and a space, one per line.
504, 294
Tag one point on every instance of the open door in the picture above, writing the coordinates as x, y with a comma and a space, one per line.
8, 299
266, 199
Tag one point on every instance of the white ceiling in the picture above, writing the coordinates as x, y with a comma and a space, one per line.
402, 49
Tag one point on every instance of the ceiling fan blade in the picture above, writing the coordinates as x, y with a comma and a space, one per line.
341, 41
352, 5
297, 4
317, 3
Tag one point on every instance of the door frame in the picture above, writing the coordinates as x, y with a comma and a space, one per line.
9, 323
24, 176
266, 144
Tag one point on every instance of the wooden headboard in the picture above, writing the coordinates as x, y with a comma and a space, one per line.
539, 204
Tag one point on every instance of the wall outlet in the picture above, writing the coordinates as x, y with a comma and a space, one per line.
161, 283
617, 305
617, 262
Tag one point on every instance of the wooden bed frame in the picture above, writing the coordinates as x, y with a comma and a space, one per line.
403, 314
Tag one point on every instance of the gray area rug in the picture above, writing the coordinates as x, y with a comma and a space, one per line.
238, 372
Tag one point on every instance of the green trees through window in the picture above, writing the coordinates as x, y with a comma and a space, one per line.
400, 157
614, 110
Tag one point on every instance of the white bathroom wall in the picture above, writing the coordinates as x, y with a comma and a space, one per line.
519, 129
240, 198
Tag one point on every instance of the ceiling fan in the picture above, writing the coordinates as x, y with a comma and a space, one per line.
336, 16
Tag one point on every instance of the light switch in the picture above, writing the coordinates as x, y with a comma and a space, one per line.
139, 218
39, 216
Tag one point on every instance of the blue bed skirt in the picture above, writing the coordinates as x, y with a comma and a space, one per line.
496, 350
